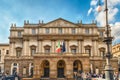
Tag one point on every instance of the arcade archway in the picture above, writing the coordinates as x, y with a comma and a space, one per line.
61, 69
77, 66
45, 69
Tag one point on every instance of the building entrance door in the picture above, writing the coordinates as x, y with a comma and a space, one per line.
45, 69
77, 66
60, 69
46, 72
60, 72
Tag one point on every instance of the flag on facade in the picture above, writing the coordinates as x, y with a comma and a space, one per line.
58, 50
63, 47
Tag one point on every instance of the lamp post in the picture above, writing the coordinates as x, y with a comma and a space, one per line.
108, 41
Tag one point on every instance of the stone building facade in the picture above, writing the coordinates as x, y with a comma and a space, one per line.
116, 50
33, 49
116, 53
4, 50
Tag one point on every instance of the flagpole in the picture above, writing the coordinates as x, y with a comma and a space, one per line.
108, 40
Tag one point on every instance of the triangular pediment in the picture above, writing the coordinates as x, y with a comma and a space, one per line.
60, 23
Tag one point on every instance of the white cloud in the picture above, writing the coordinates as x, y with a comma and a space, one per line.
93, 2
89, 11
115, 31
112, 12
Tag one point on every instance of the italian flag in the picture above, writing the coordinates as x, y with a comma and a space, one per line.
58, 50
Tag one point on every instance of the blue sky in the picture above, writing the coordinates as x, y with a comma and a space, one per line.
16, 11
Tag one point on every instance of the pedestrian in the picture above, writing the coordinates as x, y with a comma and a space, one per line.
75, 75
79, 76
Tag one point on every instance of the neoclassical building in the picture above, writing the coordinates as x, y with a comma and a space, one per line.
4, 50
33, 49
116, 50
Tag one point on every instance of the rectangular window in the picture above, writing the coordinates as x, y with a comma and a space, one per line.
33, 51
60, 30
73, 50
101, 33
102, 53
19, 34
7, 51
87, 31
47, 50
88, 51
18, 53
33, 31
47, 30
73, 31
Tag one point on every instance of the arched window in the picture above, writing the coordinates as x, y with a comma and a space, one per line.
88, 49
18, 51
14, 69
33, 50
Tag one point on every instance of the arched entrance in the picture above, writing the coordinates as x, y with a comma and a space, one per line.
77, 66
61, 69
45, 69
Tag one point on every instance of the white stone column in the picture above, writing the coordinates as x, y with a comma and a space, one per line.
25, 48
39, 46
11, 48
79, 47
97, 47
67, 46
93, 50
42, 48
52, 46
14, 52
82, 47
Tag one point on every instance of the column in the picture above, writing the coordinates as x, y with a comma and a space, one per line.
79, 47
67, 46
39, 46
95, 52
11, 48
97, 47
25, 47
52, 46
93, 48
82, 46
14, 49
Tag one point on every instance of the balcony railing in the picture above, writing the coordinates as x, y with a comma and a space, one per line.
21, 57
60, 54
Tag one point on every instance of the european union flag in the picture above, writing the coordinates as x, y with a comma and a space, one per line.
63, 47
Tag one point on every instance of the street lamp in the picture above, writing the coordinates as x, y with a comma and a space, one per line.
108, 41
